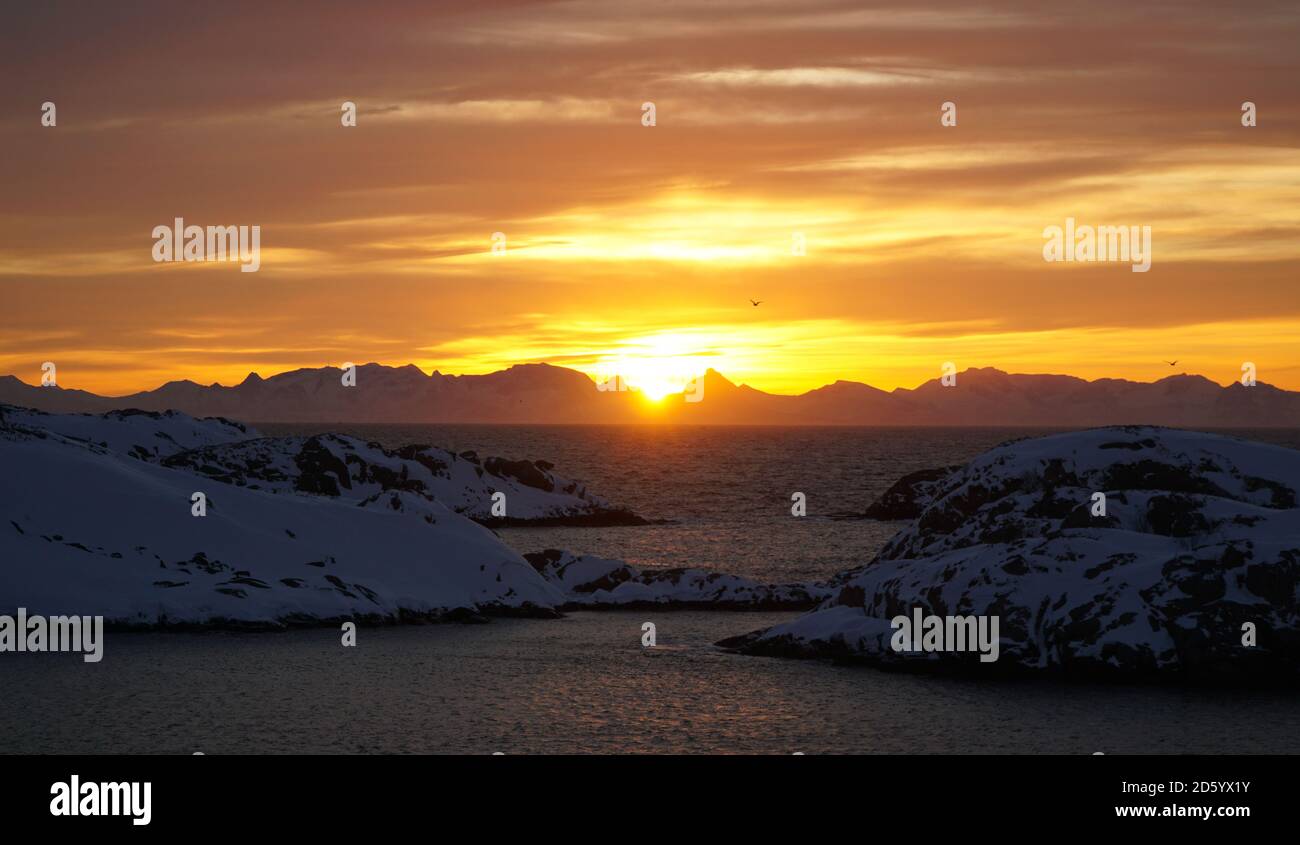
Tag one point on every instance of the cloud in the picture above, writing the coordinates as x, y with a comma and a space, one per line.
818, 118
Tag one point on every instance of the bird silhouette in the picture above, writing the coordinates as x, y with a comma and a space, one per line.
756, 302
1171, 363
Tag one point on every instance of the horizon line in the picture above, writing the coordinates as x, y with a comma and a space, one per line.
254, 374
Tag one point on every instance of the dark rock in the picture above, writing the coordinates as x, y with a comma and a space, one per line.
908, 496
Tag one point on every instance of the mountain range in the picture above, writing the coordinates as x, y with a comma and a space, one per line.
546, 394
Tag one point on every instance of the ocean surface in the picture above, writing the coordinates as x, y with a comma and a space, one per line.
584, 684
726, 490
581, 685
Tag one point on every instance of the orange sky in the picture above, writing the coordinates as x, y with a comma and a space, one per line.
637, 249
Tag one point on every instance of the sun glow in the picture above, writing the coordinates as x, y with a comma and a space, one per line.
652, 378
655, 365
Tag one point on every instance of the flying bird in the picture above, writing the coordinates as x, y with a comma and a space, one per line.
1171, 363
756, 302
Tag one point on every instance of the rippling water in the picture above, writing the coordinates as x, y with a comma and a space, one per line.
584, 683
726, 489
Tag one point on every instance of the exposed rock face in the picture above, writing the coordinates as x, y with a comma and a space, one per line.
359, 472
588, 582
908, 496
1200, 536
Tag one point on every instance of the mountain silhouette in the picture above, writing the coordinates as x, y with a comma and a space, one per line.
546, 394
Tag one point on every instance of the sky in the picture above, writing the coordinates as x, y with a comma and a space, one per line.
638, 249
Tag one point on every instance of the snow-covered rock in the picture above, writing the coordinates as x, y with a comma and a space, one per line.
296, 531
589, 581
338, 466
1200, 541
87, 530
907, 497
360, 472
148, 435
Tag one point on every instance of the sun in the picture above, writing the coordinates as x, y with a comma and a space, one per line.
655, 365
653, 378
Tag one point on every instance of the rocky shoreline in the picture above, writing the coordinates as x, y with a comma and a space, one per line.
1133, 553
184, 524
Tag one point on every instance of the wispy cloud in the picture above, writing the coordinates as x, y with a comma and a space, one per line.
819, 119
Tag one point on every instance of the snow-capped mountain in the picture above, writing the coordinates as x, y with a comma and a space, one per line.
1192, 571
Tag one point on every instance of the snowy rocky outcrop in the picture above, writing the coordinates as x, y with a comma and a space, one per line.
147, 435
908, 496
359, 472
411, 478
1199, 542
588, 581
96, 518
89, 531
